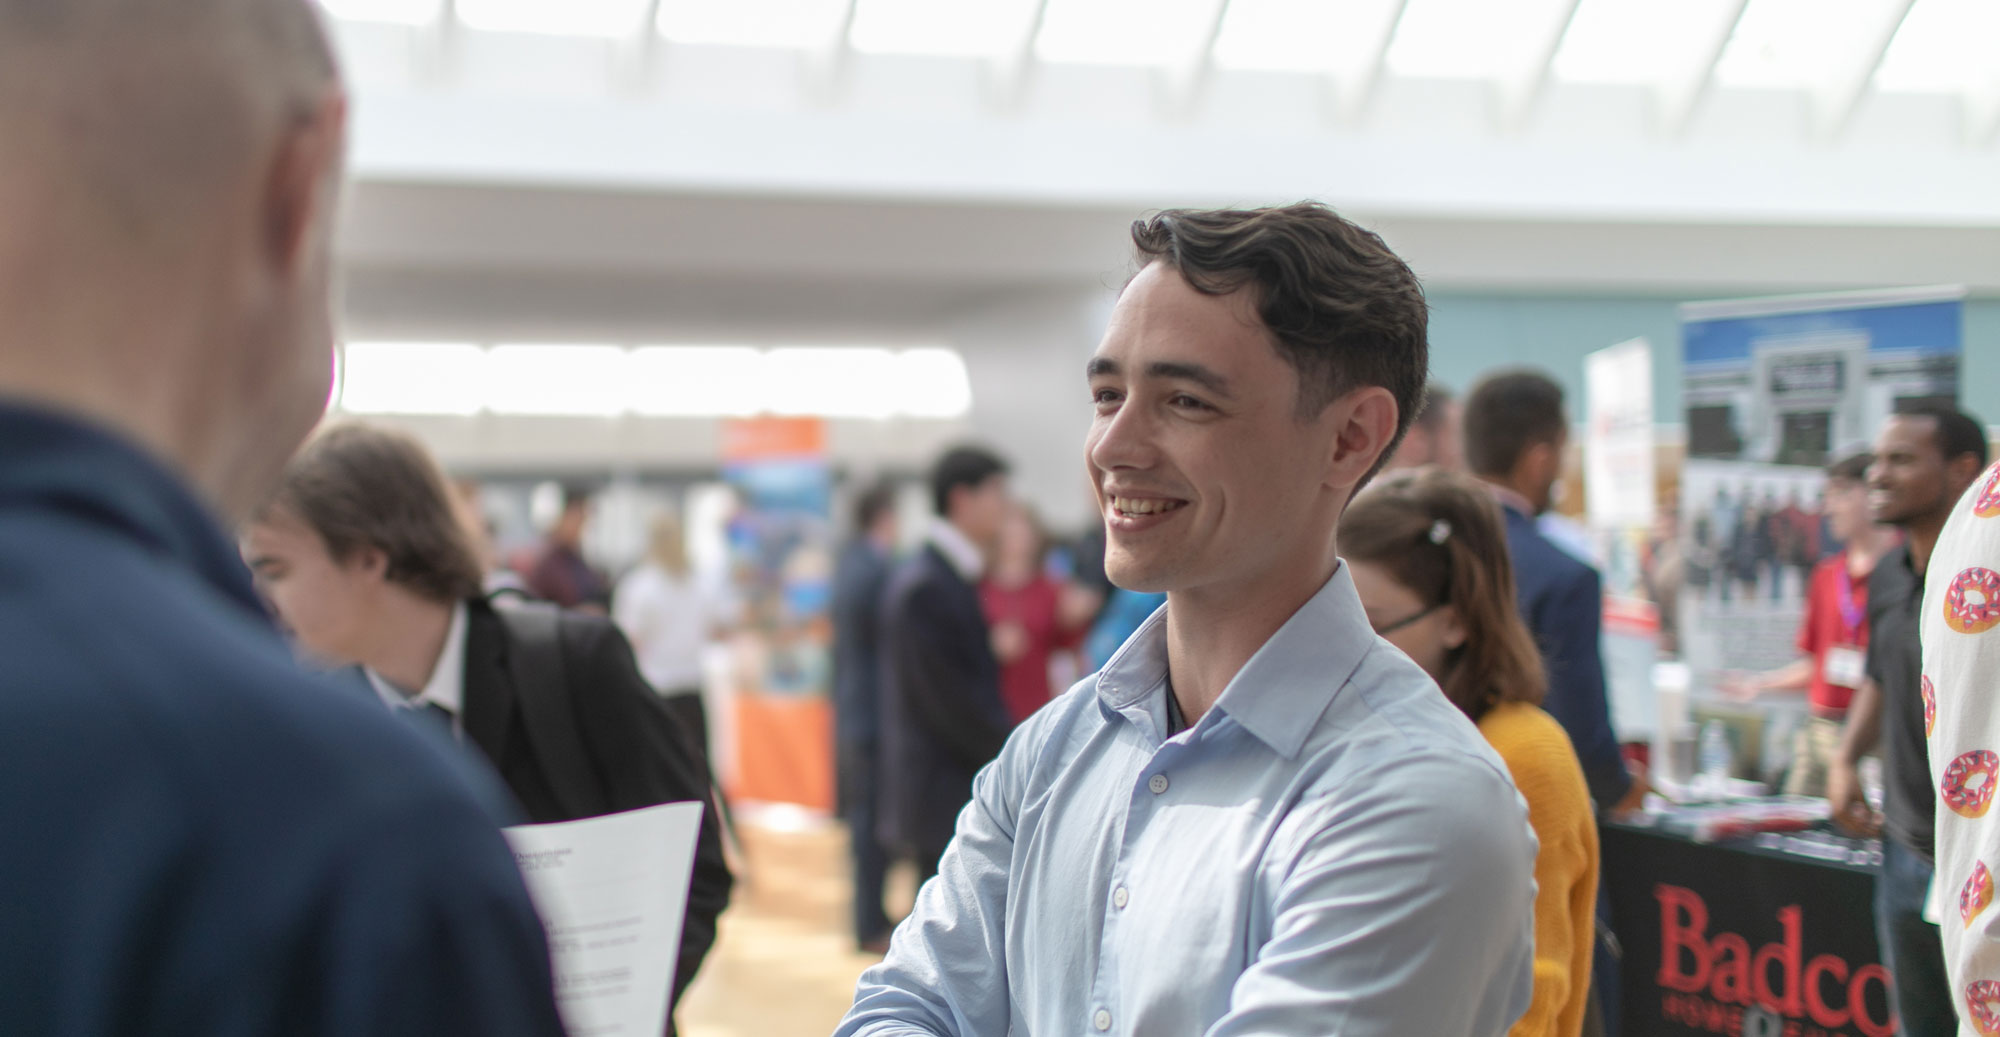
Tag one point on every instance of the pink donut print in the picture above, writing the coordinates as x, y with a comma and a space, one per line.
1930, 705
1988, 504
1968, 783
1977, 894
1972, 605
1982, 1007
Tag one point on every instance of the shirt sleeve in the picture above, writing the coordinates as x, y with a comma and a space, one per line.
1408, 909
946, 971
1961, 653
1808, 627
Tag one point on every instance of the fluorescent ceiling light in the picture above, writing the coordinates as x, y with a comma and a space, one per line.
797, 24
396, 12
1469, 39
1794, 44
695, 381
968, 28
932, 383
412, 378
843, 383
1944, 46
1637, 41
1301, 35
607, 18
588, 381
1124, 32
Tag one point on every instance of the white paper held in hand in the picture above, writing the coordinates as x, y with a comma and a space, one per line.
612, 892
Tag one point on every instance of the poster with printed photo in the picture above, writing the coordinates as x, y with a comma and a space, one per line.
1775, 390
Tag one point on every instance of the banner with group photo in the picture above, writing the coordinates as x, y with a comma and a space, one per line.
1776, 389
781, 560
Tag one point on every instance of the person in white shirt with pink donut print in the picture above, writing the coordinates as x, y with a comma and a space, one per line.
1961, 635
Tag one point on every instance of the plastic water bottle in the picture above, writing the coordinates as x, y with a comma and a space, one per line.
1715, 756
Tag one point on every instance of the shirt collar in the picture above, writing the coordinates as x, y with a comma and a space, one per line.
1284, 687
95, 476
1511, 501
958, 549
446, 687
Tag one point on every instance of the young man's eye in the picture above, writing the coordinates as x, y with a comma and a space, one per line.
1184, 400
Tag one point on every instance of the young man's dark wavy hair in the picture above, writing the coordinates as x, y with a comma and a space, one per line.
1342, 309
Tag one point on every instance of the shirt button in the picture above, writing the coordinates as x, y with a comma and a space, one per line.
1102, 1020
1158, 784
1120, 897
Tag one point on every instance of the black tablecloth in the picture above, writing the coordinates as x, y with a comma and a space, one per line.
1767, 936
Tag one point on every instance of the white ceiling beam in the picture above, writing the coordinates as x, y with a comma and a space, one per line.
1680, 97
637, 54
1187, 79
1012, 73
1354, 91
436, 53
1520, 91
827, 66
1981, 108
1835, 103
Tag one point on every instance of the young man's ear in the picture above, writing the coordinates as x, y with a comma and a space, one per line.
1365, 423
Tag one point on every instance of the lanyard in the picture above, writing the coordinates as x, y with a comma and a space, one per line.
1850, 611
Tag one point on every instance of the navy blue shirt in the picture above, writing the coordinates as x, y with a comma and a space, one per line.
195, 836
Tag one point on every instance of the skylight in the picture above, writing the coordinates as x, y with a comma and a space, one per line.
795, 24
1469, 39
606, 18
1797, 44
1944, 46
397, 12
968, 28
1301, 35
1638, 41
1124, 32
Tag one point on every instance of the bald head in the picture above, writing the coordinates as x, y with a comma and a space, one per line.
166, 198
138, 107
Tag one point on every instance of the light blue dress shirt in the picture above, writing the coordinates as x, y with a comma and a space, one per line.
1332, 850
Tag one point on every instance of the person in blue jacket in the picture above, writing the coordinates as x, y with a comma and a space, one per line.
198, 837
1515, 434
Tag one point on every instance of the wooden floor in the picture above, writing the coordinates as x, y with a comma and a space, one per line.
784, 964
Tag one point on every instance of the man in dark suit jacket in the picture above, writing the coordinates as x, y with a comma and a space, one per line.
199, 838
942, 718
1515, 433
858, 579
362, 555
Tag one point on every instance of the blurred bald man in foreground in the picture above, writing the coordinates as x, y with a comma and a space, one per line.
195, 838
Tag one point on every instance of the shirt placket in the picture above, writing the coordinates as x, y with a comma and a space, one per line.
1150, 791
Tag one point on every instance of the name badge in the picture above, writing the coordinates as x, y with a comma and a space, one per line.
1845, 666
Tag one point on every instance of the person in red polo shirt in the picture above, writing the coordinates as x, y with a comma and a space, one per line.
1834, 635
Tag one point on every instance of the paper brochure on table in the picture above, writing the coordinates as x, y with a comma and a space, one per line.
612, 892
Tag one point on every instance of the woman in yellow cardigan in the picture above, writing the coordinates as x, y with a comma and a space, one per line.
1429, 557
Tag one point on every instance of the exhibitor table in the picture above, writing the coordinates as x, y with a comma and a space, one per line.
1767, 935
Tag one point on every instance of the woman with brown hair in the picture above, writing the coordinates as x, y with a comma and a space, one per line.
1429, 558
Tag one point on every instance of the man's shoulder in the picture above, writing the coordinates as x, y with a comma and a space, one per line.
1537, 559
143, 670
1391, 717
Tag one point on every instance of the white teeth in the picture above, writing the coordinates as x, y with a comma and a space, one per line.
1140, 506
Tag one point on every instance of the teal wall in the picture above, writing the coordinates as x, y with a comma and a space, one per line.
1471, 334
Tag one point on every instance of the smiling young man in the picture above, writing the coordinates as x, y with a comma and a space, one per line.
1925, 458
1259, 818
